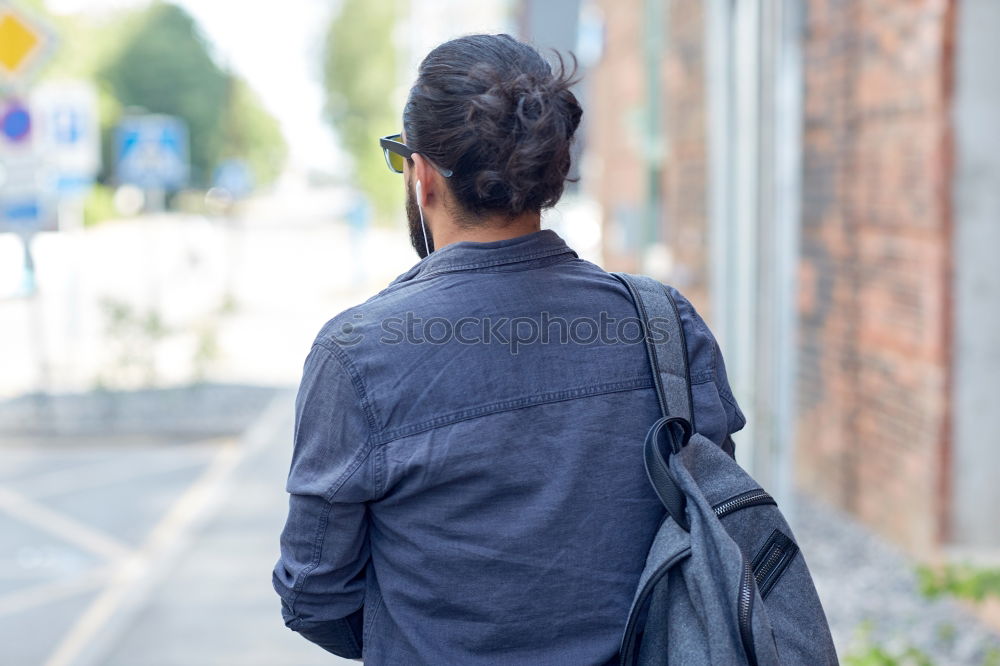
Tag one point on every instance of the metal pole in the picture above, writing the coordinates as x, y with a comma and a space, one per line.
653, 50
788, 214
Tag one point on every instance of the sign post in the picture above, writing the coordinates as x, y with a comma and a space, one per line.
26, 43
151, 153
68, 139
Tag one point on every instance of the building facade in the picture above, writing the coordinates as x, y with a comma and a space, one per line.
822, 178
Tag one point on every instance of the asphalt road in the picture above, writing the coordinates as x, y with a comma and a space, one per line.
143, 553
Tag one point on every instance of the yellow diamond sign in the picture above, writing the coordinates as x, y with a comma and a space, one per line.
20, 43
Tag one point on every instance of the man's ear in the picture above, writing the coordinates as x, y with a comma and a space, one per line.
423, 172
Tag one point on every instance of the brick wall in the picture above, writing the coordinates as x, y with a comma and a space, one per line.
874, 334
875, 320
685, 191
615, 172
613, 167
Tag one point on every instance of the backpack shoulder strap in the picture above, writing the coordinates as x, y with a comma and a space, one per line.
665, 345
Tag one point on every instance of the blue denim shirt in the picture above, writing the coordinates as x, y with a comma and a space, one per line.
467, 484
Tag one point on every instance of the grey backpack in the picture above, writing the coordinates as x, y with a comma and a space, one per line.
724, 581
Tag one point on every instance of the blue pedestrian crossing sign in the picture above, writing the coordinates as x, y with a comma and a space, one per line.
151, 152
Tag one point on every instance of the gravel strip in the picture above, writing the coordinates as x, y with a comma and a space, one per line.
864, 582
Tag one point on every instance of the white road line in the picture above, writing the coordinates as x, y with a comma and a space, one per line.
94, 476
39, 595
133, 576
62, 526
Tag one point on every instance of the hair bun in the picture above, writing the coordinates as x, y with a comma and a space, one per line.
491, 109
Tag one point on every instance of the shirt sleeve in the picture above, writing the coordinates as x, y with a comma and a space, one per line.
320, 575
715, 412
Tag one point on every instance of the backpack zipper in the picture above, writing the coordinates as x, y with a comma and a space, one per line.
749, 498
773, 558
746, 605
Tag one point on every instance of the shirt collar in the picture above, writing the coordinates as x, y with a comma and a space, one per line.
466, 255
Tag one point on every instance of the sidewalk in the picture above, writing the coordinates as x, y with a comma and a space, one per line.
212, 603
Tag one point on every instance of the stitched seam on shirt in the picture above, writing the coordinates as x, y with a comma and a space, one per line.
736, 409
361, 455
366, 632
424, 277
379, 472
511, 405
516, 259
356, 381
318, 539
703, 378
359, 460
498, 271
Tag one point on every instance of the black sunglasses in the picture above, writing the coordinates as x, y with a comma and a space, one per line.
396, 151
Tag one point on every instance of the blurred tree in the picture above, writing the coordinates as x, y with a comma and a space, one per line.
360, 77
251, 133
165, 65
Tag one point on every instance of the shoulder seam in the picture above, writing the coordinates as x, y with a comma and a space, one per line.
359, 388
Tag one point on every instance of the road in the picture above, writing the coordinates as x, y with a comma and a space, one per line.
143, 553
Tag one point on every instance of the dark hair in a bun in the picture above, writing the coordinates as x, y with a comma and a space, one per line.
492, 110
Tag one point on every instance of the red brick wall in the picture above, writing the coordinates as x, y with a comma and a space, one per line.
875, 321
875, 273
616, 171
685, 171
613, 168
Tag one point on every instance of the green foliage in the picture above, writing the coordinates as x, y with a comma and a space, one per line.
869, 653
165, 65
133, 337
963, 581
360, 76
98, 206
253, 134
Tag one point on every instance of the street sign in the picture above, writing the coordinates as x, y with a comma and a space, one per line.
26, 42
68, 133
26, 196
151, 152
15, 122
234, 177
25, 187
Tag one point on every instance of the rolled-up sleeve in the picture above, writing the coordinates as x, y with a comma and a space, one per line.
320, 575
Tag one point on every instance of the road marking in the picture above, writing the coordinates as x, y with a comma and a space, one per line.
62, 526
39, 595
105, 473
124, 585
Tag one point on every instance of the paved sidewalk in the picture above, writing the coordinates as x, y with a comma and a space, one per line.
213, 604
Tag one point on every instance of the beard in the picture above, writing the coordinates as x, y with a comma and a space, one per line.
416, 229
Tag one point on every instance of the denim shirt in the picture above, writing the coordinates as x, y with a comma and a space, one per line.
467, 484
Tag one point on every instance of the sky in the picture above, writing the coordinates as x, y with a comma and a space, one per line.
276, 47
